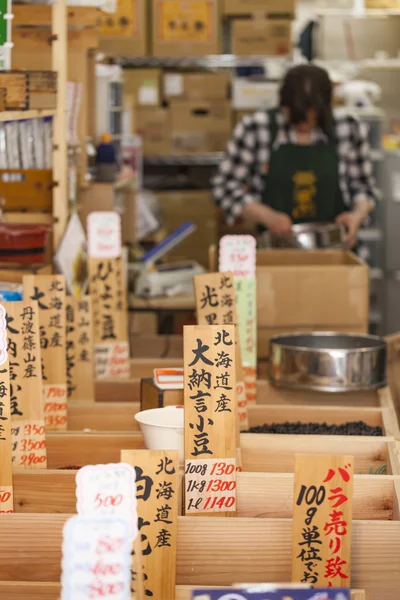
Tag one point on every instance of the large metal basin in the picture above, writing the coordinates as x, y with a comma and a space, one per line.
313, 236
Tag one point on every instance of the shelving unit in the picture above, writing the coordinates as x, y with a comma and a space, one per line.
25, 114
211, 63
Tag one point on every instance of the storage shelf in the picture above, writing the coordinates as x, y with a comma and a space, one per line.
212, 62
19, 115
211, 159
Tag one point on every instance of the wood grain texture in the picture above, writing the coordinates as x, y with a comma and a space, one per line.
210, 551
103, 416
127, 390
259, 495
81, 16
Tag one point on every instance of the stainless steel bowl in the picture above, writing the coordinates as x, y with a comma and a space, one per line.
328, 362
312, 236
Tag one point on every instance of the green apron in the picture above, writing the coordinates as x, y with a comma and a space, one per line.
303, 181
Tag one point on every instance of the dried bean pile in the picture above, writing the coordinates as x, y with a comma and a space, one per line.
351, 428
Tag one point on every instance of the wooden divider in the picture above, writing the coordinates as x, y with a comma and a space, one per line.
259, 495
210, 551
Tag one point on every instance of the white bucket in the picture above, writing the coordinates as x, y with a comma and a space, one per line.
163, 428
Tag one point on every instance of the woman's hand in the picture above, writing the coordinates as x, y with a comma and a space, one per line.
278, 223
352, 221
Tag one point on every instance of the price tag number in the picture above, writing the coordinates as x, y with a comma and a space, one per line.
102, 501
210, 486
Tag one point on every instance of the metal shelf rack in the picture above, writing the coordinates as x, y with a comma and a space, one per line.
210, 63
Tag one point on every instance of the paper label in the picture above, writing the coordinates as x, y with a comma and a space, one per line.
3, 336
28, 441
210, 486
237, 253
122, 22
112, 360
148, 95
187, 21
55, 406
104, 235
96, 559
108, 491
173, 85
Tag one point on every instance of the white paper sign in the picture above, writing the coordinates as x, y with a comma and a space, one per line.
173, 84
96, 559
104, 235
3, 336
108, 491
237, 253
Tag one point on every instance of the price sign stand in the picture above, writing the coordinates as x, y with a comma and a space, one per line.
157, 488
109, 296
49, 292
216, 305
237, 253
26, 389
80, 349
322, 520
210, 415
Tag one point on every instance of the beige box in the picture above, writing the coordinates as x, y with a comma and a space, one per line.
310, 291
178, 207
200, 127
185, 28
264, 7
251, 37
143, 86
125, 32
196, 86
254, 94
153, 125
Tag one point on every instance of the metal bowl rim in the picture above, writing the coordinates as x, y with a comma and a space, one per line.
380, 346
315, 227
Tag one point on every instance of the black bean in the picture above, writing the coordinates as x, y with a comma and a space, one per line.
350, 428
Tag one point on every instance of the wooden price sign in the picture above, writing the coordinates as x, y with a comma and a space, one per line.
26, 389
237, 253
109, 296
216, 305
6, 488
157, 491
96, 559
322, 519
49, 292
80, 361
210, 420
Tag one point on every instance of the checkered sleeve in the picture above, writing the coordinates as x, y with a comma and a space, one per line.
239, 178
361, 180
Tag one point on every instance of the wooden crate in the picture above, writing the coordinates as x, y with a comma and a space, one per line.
211, 551
16, 84
27, 189
261, 453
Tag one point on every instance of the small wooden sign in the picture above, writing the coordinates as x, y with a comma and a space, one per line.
210, 420
216, 305
49, 292
157, 491
80, 348
6, 481
96, 558
237, 253
322, 520
109, 296
26, 389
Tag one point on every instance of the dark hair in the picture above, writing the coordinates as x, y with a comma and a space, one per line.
308, 87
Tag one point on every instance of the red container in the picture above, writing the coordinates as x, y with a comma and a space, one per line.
25, 244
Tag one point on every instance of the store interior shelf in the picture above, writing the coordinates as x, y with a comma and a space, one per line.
213, 158
218, 61
19, 115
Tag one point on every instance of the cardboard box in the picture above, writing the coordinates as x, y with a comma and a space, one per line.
254, 94
200, 127
252, 37
264, 7
196, 86
143, 86
310, 291
185, 28
153, 125
125, 32
178, 207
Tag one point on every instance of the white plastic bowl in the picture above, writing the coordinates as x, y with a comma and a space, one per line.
163, 428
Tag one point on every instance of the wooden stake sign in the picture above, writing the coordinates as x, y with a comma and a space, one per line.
6, 482
96, 559
237, 253
210, 415
157, 488
26, 389
49, 292
322, 520
80, 360
109, 296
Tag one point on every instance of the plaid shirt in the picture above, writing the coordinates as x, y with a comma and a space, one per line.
239, 179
